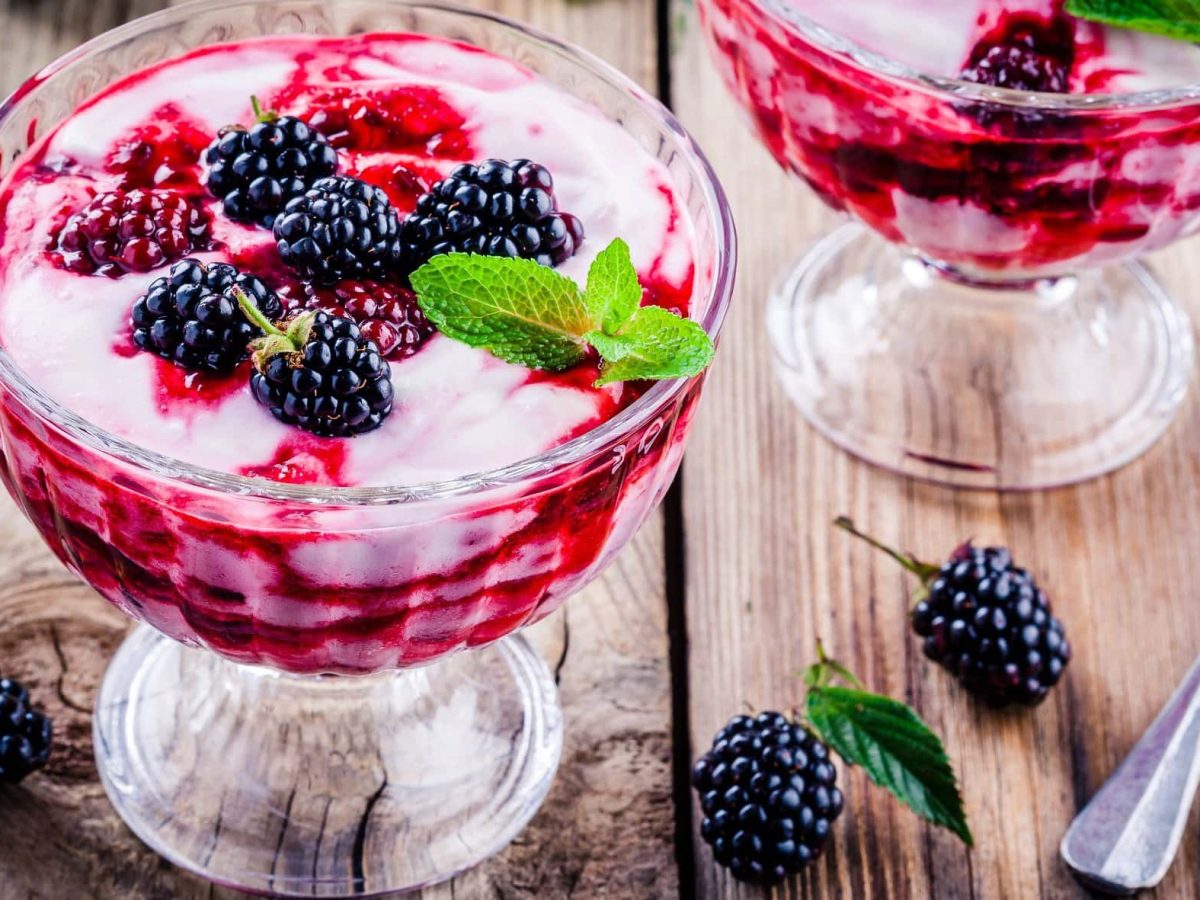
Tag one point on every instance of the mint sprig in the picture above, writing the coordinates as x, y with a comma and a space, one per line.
1171, 18
528, 314
896, 749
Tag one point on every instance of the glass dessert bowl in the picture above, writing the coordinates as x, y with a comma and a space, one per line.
990, 325
294, 715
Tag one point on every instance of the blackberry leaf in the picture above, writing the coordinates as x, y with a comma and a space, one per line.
896, 750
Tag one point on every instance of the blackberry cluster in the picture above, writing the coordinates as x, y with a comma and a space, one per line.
335, 385
767, 791
25, 735
340, 228
988, 623
130, 231
495, 208
191, 317
255, 172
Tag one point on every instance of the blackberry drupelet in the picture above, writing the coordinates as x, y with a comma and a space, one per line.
255, 172
130, 231
322, 375
987, 622
340, 228
25, 735
495, 208
191, 317
768, 795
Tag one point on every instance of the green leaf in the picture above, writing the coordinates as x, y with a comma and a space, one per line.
521, 311
895, 748
656, 343
613, 292
1173, 18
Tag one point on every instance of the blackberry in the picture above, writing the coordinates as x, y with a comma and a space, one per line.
340, 228
768, 795
130, 231
191, 317
387, 314
1018, 69
1025, 53
987, 622
25, 735
255, 172
495, 208
320, 374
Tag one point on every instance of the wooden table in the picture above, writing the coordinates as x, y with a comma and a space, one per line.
717, 602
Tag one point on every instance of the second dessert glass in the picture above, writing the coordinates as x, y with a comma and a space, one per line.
221, 736
984, 322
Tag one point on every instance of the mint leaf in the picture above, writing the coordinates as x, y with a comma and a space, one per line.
895, 748
613, 292
528, 314
1172, 18
521, 311
656, 343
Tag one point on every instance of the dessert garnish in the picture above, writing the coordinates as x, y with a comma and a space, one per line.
986, 621
495, 208
528, 314
1171, 18
387, 313
25, 735
767, 785
340, 228
255, 172
317, 371
130, 231
191, 317
1027, 53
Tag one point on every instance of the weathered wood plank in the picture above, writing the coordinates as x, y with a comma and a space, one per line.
766, 575
607, 827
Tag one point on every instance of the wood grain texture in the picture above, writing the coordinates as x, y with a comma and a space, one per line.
766, 575
607, 827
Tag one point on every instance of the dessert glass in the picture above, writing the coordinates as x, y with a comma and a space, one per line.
983, 322
292, 716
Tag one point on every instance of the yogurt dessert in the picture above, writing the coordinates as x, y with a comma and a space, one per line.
277, 506
992, 183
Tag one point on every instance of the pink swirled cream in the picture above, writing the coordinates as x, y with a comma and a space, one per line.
326, 586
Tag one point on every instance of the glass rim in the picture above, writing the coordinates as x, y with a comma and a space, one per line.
578, 449
876, 63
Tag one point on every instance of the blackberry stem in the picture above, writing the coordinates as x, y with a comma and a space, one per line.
261, 115
924, 571
251, 311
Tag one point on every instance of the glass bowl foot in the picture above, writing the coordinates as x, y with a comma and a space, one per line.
1014, 386
326, 786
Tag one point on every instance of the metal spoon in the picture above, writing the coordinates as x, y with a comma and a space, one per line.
1127, 836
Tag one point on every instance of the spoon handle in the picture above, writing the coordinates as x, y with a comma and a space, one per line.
1127, 836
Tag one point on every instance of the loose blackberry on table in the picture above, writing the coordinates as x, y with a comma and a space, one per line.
340, 228
768, 795
191, 317
496, 208
25, 735
318, 372
986, 621
131, 231
255, 172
